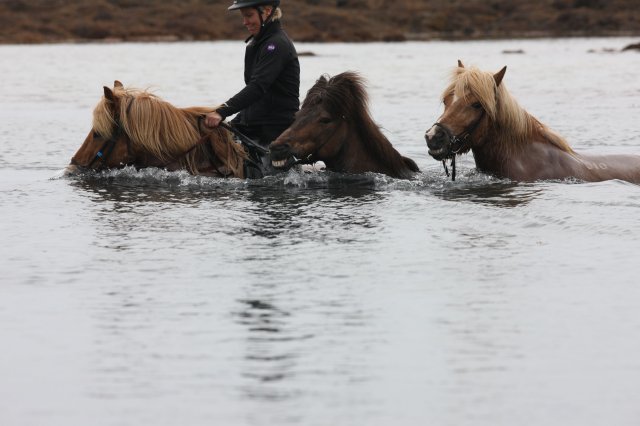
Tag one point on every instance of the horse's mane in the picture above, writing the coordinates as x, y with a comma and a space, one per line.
155, 125
517, 126
344, 96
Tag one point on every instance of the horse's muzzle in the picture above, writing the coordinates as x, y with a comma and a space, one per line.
281, 156
438, 142
71, 169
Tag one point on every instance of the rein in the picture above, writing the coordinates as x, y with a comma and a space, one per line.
244, 139
457, 143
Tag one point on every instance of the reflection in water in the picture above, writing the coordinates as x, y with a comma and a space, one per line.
292, 338
505, 194
256, 223
270, 355
302, 204
310, 213
145, 186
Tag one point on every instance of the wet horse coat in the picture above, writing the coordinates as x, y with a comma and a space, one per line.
136, 128
481, 116
334, 126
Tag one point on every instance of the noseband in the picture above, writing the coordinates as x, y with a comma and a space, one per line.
457, 143
108, 146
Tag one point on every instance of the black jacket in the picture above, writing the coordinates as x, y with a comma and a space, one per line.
272, 77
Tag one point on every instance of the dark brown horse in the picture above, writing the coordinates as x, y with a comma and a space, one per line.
334, 126
136, 128
506, 141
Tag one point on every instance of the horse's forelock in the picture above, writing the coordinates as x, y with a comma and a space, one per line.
480, 84
103, 120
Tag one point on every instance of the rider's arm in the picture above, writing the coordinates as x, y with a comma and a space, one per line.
273, 57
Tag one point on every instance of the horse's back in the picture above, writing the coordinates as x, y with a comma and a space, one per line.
616, 166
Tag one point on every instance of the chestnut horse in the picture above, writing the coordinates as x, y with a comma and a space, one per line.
136, 128
334, 126
481, 116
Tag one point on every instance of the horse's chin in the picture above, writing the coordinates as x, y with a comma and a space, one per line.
439, 154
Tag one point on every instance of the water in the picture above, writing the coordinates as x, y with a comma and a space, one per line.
132, 298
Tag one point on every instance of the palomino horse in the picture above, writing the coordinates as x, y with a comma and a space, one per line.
136, 128
506, 141
334, 126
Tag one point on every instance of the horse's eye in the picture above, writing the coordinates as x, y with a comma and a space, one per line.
96, 135
476, 105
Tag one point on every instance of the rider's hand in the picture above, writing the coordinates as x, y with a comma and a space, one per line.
213, 119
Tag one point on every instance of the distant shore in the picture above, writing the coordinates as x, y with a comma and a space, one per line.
110, 21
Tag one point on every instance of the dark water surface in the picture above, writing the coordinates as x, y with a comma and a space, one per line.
134, 298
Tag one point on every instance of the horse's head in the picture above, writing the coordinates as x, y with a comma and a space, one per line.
469, 106
321, 125
106, 145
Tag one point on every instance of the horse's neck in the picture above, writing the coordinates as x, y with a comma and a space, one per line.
535, 159
356, 155
493, 155
350, 155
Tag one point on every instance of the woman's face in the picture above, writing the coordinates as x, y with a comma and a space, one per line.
251, 18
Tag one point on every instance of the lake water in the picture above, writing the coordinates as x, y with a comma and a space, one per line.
152, 298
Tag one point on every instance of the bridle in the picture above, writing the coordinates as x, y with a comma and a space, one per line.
457, 143
108, 146
104, 153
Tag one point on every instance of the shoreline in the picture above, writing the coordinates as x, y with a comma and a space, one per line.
357, 21
411, 37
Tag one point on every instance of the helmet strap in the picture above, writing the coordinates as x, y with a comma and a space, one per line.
260, 10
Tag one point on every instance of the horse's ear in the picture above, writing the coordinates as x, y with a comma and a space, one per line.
108, 94
500, 75
460, 64
118, 85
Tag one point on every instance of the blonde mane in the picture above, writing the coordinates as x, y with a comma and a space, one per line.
517, 126
157, 127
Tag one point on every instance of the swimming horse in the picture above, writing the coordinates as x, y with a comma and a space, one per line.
334, 126
133, 127
481, 116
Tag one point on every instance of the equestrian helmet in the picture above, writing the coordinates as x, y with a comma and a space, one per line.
239, 4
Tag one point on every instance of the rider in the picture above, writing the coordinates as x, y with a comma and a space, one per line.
267, 104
